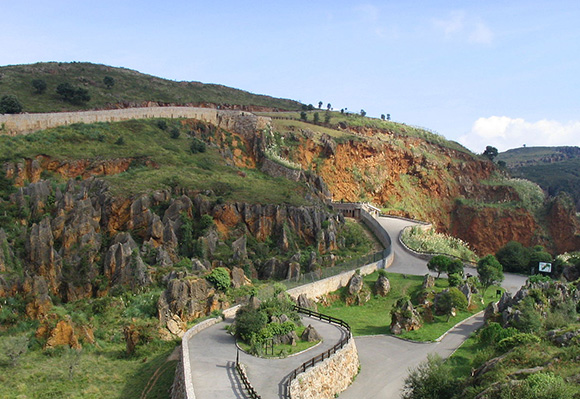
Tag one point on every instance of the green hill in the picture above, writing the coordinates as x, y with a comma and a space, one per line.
555, 169
129, 88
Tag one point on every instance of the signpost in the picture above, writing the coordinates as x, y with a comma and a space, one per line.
545, 267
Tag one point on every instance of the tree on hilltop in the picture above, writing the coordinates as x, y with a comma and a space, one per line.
490, 152
363, 112
319, 104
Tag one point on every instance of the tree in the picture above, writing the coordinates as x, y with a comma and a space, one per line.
109, 81
455, 266
439, 264
363, 112
490, 271
303, 116
14, 347
316, 117
319, 104
449, 300
388, 117
342, 110
39, 86
73, 95
9, 104
328, 107
490, 152
383, 116
432, 379
514, 257
327, 117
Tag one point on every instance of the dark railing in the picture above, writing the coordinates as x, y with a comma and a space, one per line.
251, 391
325, 355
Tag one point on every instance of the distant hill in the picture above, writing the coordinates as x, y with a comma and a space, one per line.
130, 88
555, 169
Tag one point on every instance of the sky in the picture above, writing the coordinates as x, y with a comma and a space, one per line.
480, 72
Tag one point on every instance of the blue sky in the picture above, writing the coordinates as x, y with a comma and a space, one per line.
481, 72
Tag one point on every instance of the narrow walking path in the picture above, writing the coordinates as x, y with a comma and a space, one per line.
213, 354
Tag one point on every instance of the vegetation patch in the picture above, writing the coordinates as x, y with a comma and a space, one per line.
430, 241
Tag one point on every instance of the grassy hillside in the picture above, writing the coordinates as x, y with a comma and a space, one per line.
129, 87
159, 161
555, 169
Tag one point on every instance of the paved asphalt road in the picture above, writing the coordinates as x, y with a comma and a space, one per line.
385, 360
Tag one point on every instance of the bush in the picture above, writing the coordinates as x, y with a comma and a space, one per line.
546, 386
514, 257
220, 277
9, 104
452, 298
39, 86
71, 94
455, 280
249, 322
517, 340
175, 133
432, 379
197, 145
439, 264
161, 124
529, 319
493, 333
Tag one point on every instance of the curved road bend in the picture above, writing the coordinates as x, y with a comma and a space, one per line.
386, 360
213, 353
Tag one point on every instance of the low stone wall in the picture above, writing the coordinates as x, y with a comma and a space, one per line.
318, 288
239, 121
329, 378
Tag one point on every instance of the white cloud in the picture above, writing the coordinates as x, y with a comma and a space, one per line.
451, 25
504, 133
481, 34
458, 25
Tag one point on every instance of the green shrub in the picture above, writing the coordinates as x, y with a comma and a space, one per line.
161, 124
432, 379
517, 340
197, 146
493, 333
249, 322
175, 133
546, 386
220, 277
455, 280
514, 257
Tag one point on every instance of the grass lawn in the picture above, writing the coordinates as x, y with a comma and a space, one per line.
100, 373
374, 317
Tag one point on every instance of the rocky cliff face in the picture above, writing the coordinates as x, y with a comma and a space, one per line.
82, 241
415, 178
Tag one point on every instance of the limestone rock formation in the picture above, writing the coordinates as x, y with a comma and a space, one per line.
123, 264
304, 302
310, 334
189, 299
382, 285
405, 318
428, 281
355, 284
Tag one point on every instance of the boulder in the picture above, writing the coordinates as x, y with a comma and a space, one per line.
466, 290
428, 281
491, 312
382, 285
63, 335
123, 264
355, 284
41, 302
286, 339
310, 334
405, 318
239, 278
304, 302
239, 249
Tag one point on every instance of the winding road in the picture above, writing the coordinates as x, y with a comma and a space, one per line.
385, 360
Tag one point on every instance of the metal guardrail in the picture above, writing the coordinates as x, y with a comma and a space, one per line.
325, 355
251, 391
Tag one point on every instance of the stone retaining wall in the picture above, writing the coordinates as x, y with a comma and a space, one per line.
329, 378
318, 288
238, 121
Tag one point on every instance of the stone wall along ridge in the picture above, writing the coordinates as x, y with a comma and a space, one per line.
238, 121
